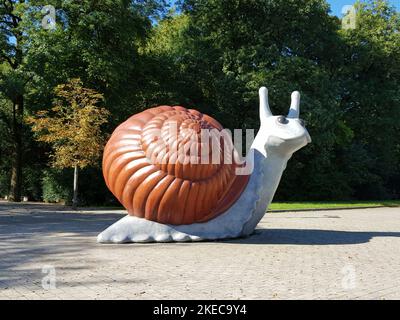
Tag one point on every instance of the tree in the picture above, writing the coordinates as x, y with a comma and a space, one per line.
73, 128
215, 54
96, 41
223, 51
370, 101
13, 80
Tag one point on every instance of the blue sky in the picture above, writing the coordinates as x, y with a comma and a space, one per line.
337, 5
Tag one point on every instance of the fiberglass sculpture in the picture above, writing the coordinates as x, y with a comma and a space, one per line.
180, 178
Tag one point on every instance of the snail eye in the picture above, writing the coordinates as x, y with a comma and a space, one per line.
302, 122
282, 120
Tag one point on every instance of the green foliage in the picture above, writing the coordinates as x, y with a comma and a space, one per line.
73, 127
56, 185
93, 190
4, 182
94, 40
213, 55
219, 52
371, 100
226, 50
31, 186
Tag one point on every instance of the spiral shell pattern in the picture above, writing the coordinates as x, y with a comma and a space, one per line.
159, 167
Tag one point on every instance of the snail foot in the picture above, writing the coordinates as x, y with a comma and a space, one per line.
133, 229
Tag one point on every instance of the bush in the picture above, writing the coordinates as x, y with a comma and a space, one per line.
57, 185
30, 186
93, 190
4, 182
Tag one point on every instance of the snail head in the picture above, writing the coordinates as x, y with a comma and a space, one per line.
282, 134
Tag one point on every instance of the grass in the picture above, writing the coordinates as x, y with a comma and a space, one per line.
288, 206
332, 204
276, 206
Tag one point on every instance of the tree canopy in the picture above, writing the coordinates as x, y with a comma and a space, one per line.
213, 56
72, 126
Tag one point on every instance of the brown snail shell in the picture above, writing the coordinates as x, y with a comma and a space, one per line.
153, 174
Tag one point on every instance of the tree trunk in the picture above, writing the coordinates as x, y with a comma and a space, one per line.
16, 163
18, 112
75, 197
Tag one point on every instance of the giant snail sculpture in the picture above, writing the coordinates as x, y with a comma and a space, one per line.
173, 193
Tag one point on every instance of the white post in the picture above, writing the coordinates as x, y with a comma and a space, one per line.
75, 197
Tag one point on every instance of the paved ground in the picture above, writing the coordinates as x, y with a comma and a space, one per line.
50, 253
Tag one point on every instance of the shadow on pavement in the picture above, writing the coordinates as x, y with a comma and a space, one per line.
35, 233
311, 237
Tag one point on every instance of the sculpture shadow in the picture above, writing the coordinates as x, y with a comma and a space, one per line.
311, 237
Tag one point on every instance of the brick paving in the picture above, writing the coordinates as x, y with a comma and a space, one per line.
48, 252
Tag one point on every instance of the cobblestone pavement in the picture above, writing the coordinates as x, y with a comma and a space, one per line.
47, 252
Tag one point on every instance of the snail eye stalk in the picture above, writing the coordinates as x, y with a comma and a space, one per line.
282, 120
